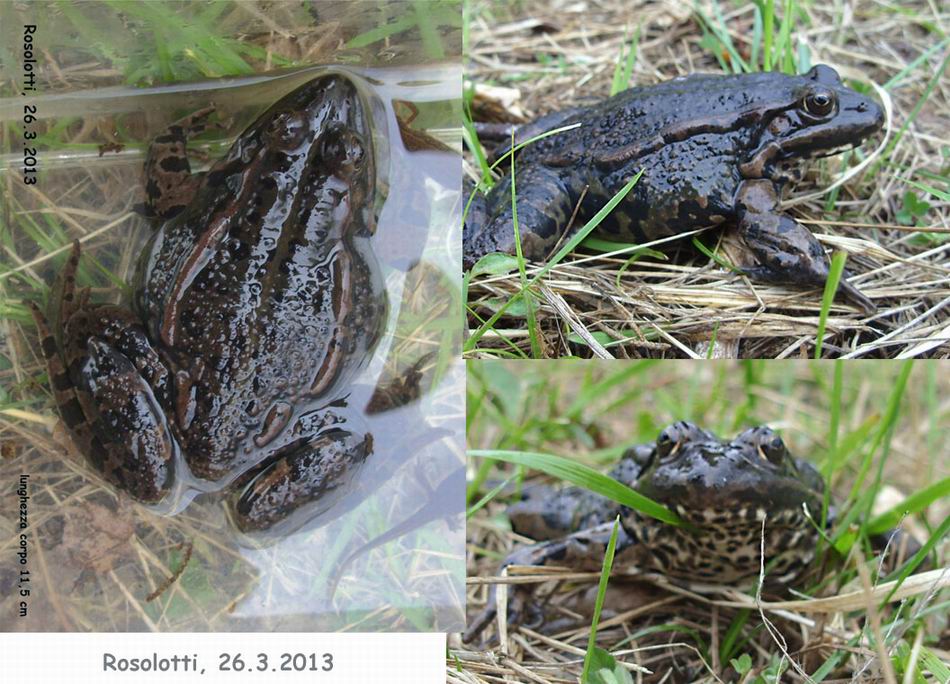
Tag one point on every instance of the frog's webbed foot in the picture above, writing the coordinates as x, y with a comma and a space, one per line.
315, 475
169, 184
546, 203
786, 251
582, 550
403, 389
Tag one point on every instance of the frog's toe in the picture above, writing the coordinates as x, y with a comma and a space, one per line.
518, 611
478, 625
856, 297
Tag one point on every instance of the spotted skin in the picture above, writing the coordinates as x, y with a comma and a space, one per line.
105, 403
256, 300
170, 185
733, 494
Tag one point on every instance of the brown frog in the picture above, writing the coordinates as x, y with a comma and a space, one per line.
749, 506
712, 149
254, 304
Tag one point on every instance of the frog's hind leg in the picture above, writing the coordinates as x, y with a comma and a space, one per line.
102, 396
546, 512
476, 209
316, 475
582, 550
169, 182
111, 412
786, 251
63, 391
63, 297
546, 204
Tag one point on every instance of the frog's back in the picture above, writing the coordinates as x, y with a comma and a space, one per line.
680, 107
264, 293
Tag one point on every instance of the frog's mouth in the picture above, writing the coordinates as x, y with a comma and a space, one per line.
767, 162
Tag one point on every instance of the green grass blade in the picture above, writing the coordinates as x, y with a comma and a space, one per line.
477, 506
884, 431
914, 503
768, 28
896, 79
698, 244
939, 194
835, 421
783, 47
831, 287
623, 70
912, 116
599, 602
470, 136
534, 139
930, 661
583, 476
756, 41
519, 254
598, 389
911, 565
727, 648
553, 261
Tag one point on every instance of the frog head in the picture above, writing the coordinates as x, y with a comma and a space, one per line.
735, 495
692, 469
818, 116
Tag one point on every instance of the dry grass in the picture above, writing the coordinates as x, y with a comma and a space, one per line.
549, 55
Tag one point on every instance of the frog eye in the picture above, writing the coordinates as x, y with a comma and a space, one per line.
664, 443
343, 151
286, 132
772, 448
819, 102
669, 441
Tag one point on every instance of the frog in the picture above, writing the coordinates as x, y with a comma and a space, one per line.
746, 506
255, 302
714, 150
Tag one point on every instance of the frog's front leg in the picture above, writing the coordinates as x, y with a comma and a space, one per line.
786, 251
546, 202
547, 513
316, 474
582, 550
169, 183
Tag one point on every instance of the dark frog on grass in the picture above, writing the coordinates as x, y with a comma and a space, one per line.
712, 149
738, 497
254, 304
